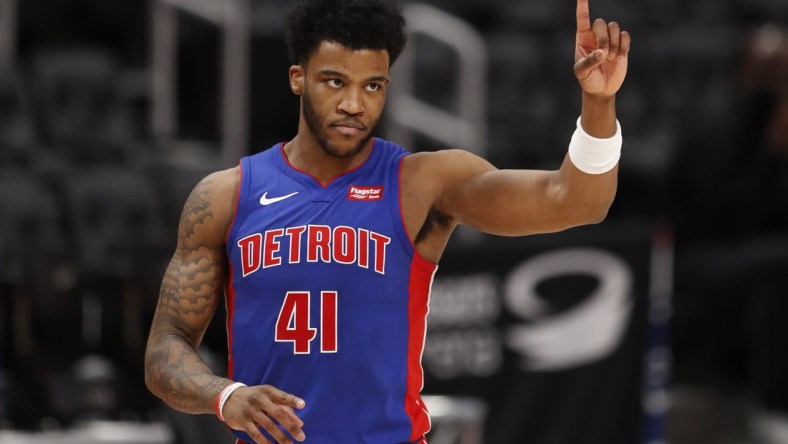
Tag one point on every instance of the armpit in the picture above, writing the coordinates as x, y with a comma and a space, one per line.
436, 220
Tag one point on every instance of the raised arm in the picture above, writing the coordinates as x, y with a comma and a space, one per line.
455, 187
191, 289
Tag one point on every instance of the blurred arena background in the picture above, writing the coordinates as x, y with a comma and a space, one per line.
666, 323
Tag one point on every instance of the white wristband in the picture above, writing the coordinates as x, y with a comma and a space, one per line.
224, 396
593, 155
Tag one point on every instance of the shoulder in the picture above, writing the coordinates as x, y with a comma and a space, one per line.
211, 205
218, 186
429, 180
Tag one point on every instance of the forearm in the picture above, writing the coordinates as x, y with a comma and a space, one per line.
175, 373
590, 192
598, 115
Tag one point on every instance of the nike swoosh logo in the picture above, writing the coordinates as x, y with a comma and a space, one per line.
265, 200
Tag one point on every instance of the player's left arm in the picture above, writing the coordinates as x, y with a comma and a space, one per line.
519, 202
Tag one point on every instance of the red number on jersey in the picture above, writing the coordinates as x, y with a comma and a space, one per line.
328, 322
293, 323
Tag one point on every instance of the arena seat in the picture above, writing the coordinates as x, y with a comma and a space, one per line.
83, 115
17, 129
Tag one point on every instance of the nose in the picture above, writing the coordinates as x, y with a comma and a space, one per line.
351, 103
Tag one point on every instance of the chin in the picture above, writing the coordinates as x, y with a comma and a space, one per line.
342, 153
346, 148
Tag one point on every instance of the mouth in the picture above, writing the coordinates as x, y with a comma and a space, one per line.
349, 128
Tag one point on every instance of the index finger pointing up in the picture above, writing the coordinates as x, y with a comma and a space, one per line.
583, 16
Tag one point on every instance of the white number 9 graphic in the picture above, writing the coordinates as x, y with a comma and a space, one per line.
586, 333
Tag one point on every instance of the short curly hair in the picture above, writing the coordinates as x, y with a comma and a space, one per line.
356, 24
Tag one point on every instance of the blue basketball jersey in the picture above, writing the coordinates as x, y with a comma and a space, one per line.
327, 297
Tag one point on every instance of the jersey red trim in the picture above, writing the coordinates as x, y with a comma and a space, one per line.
229, 290
229, 305
421, 274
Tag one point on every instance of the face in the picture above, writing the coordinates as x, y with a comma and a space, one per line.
342, 96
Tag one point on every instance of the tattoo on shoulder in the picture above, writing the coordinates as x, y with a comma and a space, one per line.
197, 209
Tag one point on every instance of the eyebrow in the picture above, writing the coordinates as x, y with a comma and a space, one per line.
332, 73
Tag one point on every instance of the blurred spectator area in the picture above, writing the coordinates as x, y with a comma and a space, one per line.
89, 200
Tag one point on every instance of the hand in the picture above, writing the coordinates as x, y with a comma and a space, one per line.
264, 406
601, 52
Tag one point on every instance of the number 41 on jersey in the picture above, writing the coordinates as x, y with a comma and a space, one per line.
294, 324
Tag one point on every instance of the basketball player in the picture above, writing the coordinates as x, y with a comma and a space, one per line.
325, 246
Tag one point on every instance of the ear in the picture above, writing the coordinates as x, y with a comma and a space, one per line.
297, 79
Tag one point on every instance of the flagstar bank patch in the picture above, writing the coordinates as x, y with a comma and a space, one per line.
356, 192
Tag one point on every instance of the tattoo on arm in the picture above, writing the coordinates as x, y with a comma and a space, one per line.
190, 292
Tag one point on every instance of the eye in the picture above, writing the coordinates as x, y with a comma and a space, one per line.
335, 83
373, 86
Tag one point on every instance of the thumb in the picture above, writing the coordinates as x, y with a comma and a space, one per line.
584, 66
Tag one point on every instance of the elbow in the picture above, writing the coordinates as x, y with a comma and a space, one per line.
595, 209
150, 379
599, 211
153, 383
584, 203
598, 217
152, 376
592, 213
